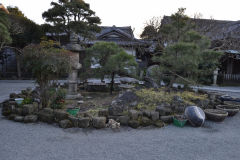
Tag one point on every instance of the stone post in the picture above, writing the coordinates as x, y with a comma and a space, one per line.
215, 75
73, 77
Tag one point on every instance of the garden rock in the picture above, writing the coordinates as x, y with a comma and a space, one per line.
146, 122
128, 97
115, 110
134, 124
74, 121
46, 117
6, 109
154, 116
18, 111
12, 103
123, 120
103, 113
65, 124
60, 115
12, 116
83, 122
147, 113
164, 111
13, 95
48, 110
28, 109
133, 114
113, 124
195, 116
30, 119
133, 104
202, 103
18, 118
99, 122
114, 117
167, 119
159, 124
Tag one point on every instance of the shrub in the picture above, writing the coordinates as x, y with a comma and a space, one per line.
47, 62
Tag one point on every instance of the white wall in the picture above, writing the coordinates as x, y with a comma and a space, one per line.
130, 51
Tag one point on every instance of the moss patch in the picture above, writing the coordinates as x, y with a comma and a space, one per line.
150, 98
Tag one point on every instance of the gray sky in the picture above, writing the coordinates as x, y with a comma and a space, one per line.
136, 12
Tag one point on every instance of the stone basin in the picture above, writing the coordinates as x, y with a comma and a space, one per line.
232, 110
215, 114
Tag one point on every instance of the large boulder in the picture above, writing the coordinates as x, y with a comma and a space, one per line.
99, 122
84, 122
30, 119
116, 110
60, 115
128, 97
65, 124
195, 116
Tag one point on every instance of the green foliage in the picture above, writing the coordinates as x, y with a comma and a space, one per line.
120, 63
178, 26
5, 37
23, 30
111, 58
46, 63
187, 55
27, 101
99, 53
68, 16
58, 97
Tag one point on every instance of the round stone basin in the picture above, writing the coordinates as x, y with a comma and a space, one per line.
232, 110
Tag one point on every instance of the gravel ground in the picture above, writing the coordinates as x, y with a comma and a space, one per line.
10, 86
215, 141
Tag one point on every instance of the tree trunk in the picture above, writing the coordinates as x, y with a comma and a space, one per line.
18, 67
112, 83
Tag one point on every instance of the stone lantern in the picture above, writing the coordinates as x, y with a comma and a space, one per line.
74, 60
73, 77
215, 75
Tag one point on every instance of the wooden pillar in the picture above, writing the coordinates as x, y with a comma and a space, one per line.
230, 66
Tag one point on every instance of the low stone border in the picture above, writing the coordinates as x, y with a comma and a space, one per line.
112, 117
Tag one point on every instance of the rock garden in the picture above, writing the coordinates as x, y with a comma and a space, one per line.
136, 108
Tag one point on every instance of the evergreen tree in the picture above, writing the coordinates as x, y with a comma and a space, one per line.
5, 37
68, 16
110, 59
187, 55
